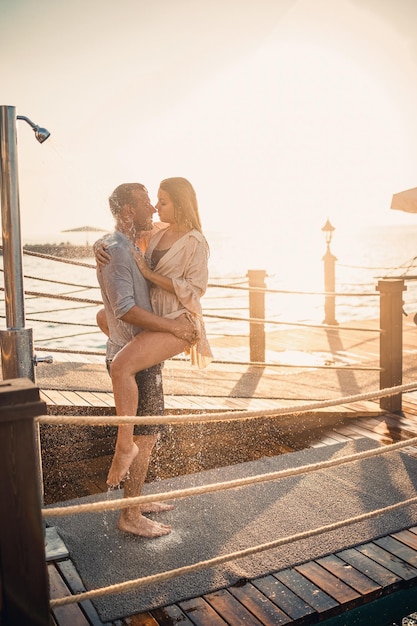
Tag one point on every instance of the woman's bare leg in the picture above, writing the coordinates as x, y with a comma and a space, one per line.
145, 350
101, 319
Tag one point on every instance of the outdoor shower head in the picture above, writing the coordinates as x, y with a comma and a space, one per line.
41, 134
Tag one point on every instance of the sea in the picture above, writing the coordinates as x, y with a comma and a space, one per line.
294, 279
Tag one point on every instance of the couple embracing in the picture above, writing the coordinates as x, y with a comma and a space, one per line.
151, 281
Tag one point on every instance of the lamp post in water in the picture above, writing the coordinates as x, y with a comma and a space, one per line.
329, 277
16, 341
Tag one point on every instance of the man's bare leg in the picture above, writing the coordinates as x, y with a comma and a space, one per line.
156, 507
132, 520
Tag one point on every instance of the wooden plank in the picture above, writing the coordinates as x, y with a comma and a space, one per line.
401, 427
369, 567
72, 579
387, 560
173, 402
407, 537
90, 398
171, 615
74, 399
348, 431
284, 598
412, 451
141, 619
236, 403
368, 406
326, 581
336, 436
399, 550
105, 397
68, 615
211, 402
306, 590
230, 609
54, 397
382, 424
201, 613
370, 434
189, 402
400, 420
45, 397
200, 403
328, 440
256, 602
349, 574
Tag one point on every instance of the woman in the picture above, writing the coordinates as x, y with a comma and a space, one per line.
176, 266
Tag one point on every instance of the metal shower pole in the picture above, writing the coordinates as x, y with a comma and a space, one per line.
16, 341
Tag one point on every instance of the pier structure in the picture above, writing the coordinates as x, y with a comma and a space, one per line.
349, 423
252, 396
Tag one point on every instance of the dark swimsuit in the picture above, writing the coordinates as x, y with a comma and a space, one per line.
156, 257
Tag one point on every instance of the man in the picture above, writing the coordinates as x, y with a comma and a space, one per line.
128, 311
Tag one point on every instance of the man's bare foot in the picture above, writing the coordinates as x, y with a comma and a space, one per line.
156, 507
143, 527
120, 465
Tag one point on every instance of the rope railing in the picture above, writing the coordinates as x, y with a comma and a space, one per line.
223, 415
246, 289
59, 259
50, 257
263, 364
159, 577
124, 503
258, 321
295, 293
227, 485
211, 285
251, 320
218, 560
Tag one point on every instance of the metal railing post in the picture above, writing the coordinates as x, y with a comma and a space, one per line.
391, 340
257, 310
24, 590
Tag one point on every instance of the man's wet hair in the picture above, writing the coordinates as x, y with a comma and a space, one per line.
122, 195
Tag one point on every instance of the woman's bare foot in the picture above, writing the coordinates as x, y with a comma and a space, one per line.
143, 527
156, 507
120, 465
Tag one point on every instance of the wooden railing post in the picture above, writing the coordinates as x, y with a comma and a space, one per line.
391, 340
329, 287
24, 591
257, 310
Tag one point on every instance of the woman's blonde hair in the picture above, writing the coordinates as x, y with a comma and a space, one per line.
184, 199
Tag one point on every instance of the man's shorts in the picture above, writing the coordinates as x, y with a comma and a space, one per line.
151, 398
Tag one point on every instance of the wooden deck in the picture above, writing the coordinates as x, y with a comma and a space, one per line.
371, 583
375, 582
184, 449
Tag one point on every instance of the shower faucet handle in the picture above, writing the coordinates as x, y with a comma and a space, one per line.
43, 359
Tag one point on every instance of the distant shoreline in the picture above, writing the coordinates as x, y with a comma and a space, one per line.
67, 250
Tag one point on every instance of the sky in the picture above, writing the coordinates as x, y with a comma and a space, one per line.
282, 113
